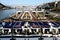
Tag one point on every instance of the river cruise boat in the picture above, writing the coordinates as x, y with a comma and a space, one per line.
28, 24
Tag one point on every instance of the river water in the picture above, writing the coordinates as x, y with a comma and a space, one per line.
46, 38
7, 13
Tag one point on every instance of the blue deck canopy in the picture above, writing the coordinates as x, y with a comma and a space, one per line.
8, 24
20, 24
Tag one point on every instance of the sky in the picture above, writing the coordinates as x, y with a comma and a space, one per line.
24, 2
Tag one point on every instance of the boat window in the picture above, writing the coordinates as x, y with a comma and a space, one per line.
19, 31
34, 12
47, 31
13, 31
33, 31
54, 31
19, 12
59, 31
6, 31
39, 31
0, 31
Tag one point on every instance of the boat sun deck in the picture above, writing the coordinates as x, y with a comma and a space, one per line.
28, 16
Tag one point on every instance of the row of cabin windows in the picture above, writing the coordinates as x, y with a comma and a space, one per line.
19, 31
47, 31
